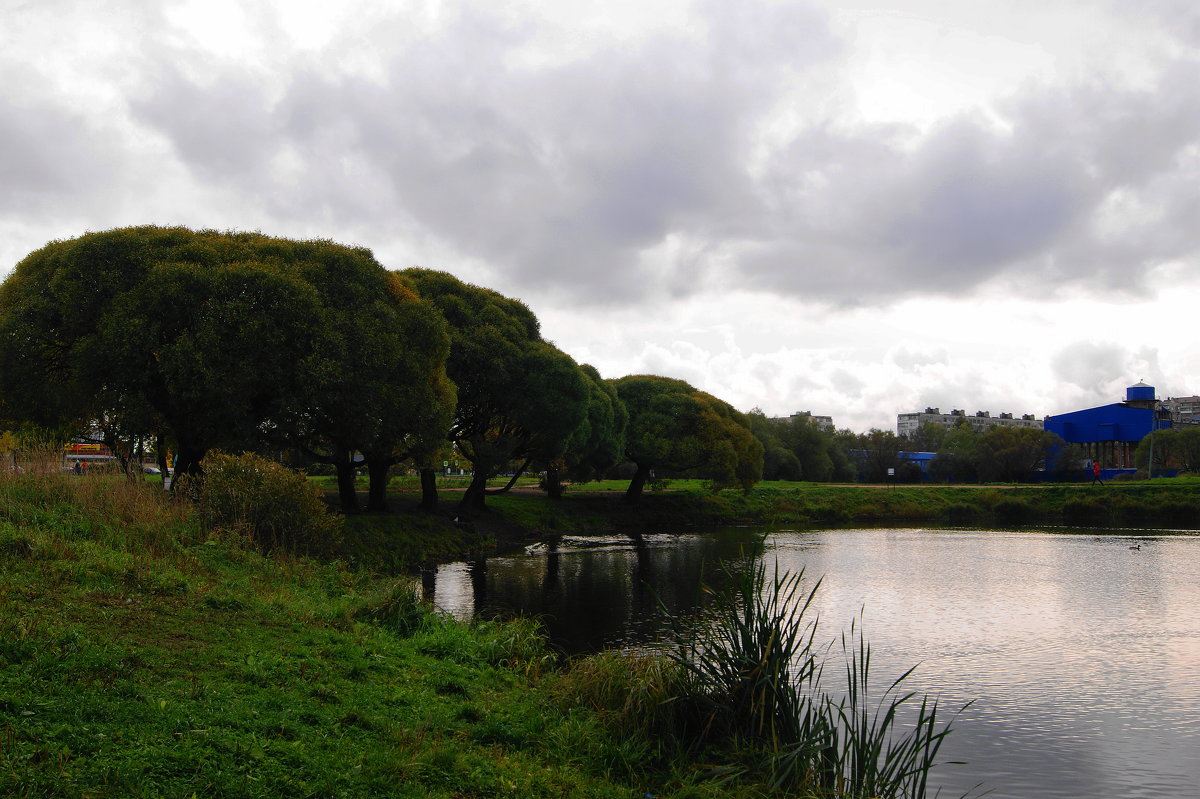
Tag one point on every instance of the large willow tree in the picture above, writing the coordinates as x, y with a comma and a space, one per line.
677, 427
520, 398
222, 340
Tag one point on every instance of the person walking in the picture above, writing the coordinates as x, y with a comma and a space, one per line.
1096, 473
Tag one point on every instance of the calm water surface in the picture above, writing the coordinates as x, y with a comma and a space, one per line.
1082, 655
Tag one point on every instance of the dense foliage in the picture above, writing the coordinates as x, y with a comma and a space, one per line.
173, 340
520, 398
796, 448
221, 340
270, 505
674, 426
1177, 448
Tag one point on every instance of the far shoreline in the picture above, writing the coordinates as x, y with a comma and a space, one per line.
406, 538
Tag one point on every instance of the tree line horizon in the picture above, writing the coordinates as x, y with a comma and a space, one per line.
166, 337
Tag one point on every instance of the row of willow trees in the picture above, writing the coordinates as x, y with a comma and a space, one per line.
189, 341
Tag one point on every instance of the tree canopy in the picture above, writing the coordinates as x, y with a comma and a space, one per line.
377, 385
1010, 454
200, 332
599, 443
674, 426
1001, 453
796, 448
519, 397
207, 339
221, 339
1177, 448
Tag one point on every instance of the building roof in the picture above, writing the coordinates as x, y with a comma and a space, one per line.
1115, 422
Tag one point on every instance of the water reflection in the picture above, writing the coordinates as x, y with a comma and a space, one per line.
595, 593
1081, 654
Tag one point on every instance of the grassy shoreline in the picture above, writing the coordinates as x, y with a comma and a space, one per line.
144, 655
528, 515
139, 657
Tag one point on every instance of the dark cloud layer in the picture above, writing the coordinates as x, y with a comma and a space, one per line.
639, 167
51, 157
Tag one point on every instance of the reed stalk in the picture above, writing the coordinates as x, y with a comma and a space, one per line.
753, 681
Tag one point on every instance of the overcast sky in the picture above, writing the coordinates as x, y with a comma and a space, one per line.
854, 208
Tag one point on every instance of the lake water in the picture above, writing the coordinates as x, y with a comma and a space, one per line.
1081, 655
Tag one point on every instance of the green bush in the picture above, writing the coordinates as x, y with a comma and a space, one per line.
962, 513
1084, 511
1013, 511
273, 506
1181, 512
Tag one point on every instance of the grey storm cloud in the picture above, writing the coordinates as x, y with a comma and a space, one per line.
1050, 201
637, 168
50, 156
1092, 365
223, 129
563, 174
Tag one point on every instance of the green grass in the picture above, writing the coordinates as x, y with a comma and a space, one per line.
142, 655
138, 662
597, 506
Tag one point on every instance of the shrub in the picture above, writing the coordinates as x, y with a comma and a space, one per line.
962, 513
518, 644
1013, 511
1084, 511
909, 472
1179, 512
272, 505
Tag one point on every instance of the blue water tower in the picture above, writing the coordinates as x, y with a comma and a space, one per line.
1140, 396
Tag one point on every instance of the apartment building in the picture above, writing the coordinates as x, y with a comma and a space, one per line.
908, 424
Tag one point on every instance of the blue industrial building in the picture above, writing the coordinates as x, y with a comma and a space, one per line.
1111, 433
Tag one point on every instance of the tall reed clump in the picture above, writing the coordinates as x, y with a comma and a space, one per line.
753, 683
873, 751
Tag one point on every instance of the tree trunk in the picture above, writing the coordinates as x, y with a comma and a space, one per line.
114, 446
347, 496
475, 493
137, 472
634, 492
160, 449
187, 463
512, 482
429, 493
553, 482
378, 469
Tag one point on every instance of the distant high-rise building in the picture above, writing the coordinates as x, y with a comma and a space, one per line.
822, 422
1184, 410
907, 424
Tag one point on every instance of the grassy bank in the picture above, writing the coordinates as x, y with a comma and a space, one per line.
598, 508
144, 655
